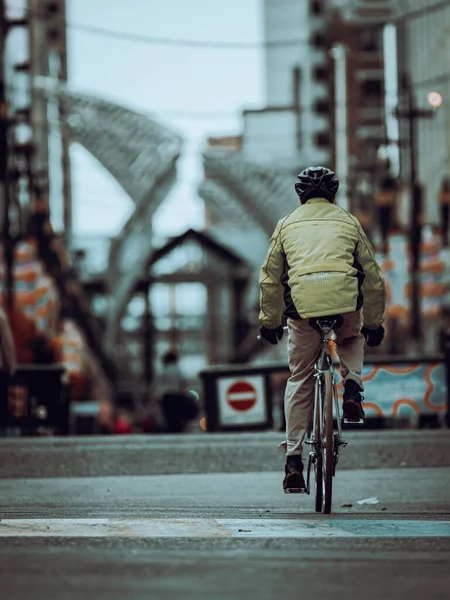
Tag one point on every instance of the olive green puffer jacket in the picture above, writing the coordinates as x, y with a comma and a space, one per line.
320, 263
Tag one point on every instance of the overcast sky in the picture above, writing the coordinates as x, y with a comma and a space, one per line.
164, 80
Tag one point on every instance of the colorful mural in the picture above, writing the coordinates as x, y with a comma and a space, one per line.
434, 275
36, 313
407, 389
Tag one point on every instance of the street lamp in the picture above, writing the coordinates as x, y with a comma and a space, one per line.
435, 99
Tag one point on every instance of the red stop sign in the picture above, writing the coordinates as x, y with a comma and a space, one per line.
241, 396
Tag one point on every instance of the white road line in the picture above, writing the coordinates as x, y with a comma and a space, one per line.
112, 528
204, 528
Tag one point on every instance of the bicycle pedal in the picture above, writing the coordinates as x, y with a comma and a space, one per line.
295, 491
353, 422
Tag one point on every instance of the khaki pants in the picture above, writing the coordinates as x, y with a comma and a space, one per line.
303, 345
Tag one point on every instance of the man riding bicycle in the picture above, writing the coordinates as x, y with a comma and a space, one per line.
319, 263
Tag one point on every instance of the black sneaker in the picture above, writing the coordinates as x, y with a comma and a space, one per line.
293, 482
352, 405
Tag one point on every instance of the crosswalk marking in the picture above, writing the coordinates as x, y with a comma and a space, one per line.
217, 528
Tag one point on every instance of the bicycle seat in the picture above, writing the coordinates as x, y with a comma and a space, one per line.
328, 322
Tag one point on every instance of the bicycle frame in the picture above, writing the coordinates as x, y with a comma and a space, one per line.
315, 437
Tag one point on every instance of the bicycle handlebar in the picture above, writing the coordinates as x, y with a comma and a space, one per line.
258, 337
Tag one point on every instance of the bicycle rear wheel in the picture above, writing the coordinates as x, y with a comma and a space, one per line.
318, 461
327, 442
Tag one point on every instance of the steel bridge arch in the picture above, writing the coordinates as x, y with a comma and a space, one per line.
141, 154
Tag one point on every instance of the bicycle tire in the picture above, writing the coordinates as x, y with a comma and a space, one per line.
318, 464
318, 474
328, 450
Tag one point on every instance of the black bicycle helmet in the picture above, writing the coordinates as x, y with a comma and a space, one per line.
316, 182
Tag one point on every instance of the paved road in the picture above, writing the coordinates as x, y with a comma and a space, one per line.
207, 453
411, 491
221, 535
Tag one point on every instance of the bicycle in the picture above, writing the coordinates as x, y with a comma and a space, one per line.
324, 440
321, 436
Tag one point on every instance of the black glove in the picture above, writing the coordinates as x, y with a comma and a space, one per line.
271, 335
374, 337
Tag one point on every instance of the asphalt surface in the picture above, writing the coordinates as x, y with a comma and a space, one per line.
225, 532
208, 453
409, 491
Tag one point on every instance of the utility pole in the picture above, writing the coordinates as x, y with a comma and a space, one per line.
412, 114
4, 156
339, 54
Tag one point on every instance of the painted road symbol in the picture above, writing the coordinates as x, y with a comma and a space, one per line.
241, 396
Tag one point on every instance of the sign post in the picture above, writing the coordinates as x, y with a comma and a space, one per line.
242, 400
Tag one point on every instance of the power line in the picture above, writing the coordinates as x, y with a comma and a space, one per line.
223, 45
420, 12
180, 42
445, 78
189, 43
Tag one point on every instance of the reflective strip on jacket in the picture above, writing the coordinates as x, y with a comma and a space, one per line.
320, 263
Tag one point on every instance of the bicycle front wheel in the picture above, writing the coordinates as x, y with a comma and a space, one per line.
318, 473
327, 442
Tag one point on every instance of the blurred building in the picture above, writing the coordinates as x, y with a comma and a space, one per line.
368, 12
248, 186
242, 205
308, 82
325, 93
423, 41
325, 105
35, 63
293, 130
48, 69
334, 72
58, 293
355, 37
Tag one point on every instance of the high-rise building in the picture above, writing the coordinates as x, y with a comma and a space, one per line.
358, 99
423, 34
306, 81
292, 131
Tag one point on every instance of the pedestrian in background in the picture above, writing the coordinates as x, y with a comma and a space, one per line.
177, 405
7, 365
